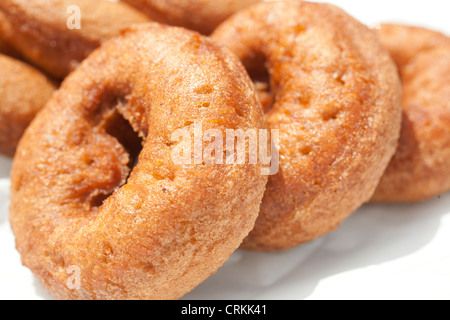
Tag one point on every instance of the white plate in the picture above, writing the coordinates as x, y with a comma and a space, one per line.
381, 252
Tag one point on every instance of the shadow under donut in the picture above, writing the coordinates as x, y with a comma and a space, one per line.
374, 235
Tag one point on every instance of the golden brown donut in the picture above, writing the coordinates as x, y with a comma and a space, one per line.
337, 105
159, 231
23, 92
200, 15
42, 36
420, 169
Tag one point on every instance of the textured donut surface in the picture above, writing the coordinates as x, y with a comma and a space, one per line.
336, 101
42, 34
5, 33
23, 92
159, 231
200, 15
420, 169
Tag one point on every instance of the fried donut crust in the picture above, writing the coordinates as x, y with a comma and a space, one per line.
5, 31
337, 105
23, 92
42, 36
200, 15
164, 228
420, 169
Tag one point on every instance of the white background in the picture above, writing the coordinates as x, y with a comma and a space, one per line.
381, 252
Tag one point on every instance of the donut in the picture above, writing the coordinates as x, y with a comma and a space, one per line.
200, 15
336, 103
42, 34
23, 92
420, 169
159, 230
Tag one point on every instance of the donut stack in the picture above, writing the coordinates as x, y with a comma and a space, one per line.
356, 115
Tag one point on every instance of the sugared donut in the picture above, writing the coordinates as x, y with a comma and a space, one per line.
200, 15
45, 30
420, 169
23, 92
336, 101
159, 231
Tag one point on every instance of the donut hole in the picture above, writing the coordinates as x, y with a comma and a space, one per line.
115, 125
98, 200
118, 127
256, 66
264, 95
